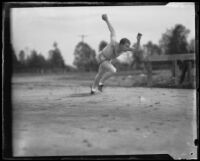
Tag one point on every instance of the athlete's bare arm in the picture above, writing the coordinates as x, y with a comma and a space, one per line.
111, 29
137, 47
114, 61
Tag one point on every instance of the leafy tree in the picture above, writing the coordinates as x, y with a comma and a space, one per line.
32, 60
174, 41
22, 56
152, 48
55, 57
41, 61
35, 62
15, 62
102, 45
191, 46
85, 57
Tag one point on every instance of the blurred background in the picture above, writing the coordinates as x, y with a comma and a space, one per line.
49, 40
54, 63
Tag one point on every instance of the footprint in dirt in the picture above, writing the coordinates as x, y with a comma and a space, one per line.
58, 99
160, 123
148, 106
71, 105
101, 127
154, 131
112, 130
87, 143
83, 128
104, 115
92, 102
137, 129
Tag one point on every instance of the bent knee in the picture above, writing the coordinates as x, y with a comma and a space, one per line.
114, 70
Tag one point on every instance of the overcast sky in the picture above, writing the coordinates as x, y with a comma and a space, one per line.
37, 28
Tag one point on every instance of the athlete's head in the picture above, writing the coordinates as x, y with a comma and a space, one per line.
124, 44
139, 35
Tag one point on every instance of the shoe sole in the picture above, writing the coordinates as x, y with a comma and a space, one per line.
100, 88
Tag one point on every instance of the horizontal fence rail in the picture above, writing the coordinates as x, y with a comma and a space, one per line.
174, 58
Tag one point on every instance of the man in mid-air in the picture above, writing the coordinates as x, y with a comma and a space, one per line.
108, 55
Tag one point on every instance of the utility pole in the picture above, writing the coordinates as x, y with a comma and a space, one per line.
82, 37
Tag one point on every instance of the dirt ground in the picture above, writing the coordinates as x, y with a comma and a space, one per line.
54, 115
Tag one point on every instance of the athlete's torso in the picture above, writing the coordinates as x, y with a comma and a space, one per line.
110, 51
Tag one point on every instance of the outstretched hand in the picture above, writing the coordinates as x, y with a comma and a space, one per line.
139, 35
105, 17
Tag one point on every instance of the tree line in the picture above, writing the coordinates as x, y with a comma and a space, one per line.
36, 62
173, 41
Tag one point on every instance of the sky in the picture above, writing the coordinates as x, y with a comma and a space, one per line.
39, 27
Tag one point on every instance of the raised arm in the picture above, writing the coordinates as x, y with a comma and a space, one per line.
111, 29
139, 35
137, 47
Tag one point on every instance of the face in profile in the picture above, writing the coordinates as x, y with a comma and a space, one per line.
125, 47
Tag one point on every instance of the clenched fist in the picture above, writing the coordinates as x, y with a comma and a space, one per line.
139, 35
104, 17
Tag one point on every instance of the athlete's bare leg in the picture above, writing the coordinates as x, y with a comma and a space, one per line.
98, 78
105, 68
106, 76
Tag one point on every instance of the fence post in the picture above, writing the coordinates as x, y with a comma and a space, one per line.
173, 69
149, 73
189, 72
176, 72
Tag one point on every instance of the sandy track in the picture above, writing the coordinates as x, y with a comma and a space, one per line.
53, 116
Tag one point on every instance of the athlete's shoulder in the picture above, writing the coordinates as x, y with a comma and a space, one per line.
114, 43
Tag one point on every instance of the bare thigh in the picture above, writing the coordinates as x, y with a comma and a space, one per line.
106, 66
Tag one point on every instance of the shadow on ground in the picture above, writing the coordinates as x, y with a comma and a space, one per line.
81, 95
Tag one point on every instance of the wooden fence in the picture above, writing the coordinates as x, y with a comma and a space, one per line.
174, 58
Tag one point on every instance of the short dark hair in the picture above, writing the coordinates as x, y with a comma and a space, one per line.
124, 41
